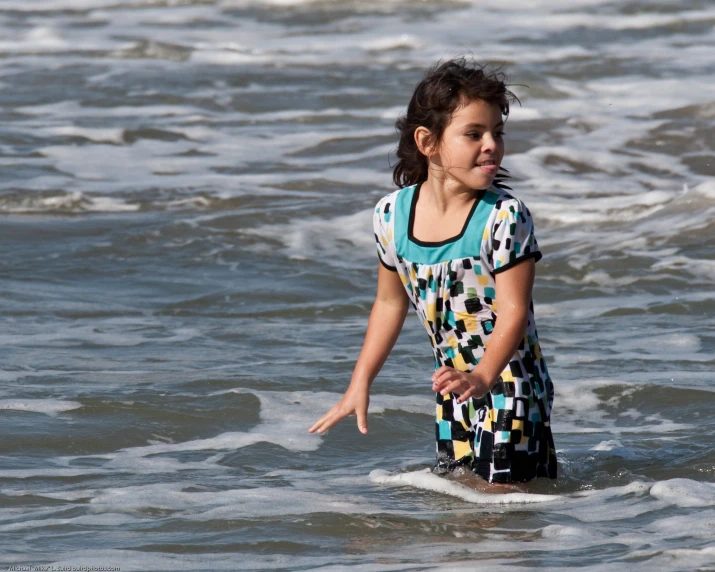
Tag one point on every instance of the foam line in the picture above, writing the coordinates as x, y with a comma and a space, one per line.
426, 480
256, 502
684, 492
49, 407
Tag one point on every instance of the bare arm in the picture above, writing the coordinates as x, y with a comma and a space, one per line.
514, 297
386, 319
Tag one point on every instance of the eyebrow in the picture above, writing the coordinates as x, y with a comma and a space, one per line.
480, 126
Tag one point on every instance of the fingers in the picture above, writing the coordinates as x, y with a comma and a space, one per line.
335, 415
439, 377
445, 377
323, 425
362, 421
466, 395
320, 421
442, 373
450, 380
326, 421
355, 401
438, 387
456, 386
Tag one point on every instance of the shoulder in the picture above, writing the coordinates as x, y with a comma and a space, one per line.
512, 236
509, 207
387, 201
386, 205
508, 203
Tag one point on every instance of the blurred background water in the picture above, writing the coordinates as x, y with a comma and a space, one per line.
187, 269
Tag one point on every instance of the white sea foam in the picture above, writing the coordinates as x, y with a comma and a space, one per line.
685, 344
49, 407
90, 520
676, 559
702, 527
426, 480
44, 5
76, 202
579, 533
299, 410
685, 492
609, 445
96, 134
707, 189
593, 506
108, 332
43, 473
462, 557
141, 561
290, 433
623, 345
311, 402
586, 308
517, 113
225, 504
73, 110
579, 410
269, 2
325, 239
400, 42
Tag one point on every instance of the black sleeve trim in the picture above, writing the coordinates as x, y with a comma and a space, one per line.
535, 255
391, 268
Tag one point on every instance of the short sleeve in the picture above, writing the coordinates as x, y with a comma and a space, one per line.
513, 239
381, 224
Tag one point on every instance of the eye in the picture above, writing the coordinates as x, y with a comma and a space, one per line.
475, 136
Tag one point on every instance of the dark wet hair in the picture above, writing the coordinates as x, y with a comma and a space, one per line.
443, 89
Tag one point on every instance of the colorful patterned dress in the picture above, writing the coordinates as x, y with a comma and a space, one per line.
504, 436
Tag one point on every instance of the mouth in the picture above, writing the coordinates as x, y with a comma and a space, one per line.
489, 166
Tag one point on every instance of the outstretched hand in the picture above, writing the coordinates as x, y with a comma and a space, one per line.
353, 402
468, 384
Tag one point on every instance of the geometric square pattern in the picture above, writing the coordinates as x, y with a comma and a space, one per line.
504, 436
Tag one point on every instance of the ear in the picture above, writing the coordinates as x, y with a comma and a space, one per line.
425, 141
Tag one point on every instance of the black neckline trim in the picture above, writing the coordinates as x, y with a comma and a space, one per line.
411, 223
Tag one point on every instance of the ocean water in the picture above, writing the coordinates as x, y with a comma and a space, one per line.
188, 266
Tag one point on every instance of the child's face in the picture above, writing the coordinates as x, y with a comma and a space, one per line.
472, 145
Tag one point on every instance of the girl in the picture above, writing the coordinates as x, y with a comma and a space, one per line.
462, 250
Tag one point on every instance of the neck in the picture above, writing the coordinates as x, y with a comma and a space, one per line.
446, 195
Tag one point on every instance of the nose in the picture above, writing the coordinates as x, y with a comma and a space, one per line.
489, 142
